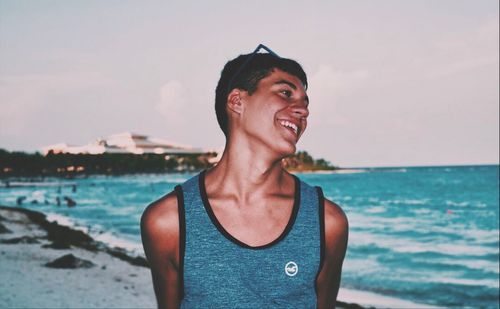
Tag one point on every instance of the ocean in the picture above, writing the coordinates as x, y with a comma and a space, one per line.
423, 234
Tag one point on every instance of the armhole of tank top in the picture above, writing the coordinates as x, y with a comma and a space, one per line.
182, 238
321, 215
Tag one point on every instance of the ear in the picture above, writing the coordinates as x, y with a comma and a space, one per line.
234, 101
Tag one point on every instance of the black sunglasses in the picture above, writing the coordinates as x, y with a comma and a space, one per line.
247, 61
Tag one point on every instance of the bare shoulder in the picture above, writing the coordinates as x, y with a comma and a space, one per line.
335, 219
161, 215
336, 229
160, 227
160, 239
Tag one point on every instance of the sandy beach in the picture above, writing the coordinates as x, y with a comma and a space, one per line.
101, 279
45, 264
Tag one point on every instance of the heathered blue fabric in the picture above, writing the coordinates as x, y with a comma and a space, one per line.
219, 273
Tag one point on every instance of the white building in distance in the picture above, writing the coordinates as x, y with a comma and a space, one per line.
125, 143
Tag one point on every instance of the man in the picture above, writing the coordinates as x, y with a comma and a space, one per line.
246, 233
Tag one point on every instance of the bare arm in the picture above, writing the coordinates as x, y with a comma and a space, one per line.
160, 239
336, 236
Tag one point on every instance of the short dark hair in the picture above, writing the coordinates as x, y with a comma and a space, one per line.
247, 78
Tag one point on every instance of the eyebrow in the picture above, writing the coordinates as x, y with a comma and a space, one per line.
284, 81
292, 85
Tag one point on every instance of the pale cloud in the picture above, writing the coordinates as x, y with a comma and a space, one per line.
22, 96
328, 87
172, 102
484, 36
466, 51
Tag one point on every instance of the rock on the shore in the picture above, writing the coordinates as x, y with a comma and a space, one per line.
4, 230
343, 305
122, 255
70, 261
21, 240
57, 245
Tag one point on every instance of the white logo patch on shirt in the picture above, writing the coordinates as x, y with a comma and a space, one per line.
291, 269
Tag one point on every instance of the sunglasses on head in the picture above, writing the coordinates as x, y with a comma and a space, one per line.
261, 46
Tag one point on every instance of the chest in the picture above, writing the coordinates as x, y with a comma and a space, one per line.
256, 224
263, 279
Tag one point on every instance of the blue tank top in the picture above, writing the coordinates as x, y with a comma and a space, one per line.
218, 271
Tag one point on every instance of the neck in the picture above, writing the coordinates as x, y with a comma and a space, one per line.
247, 171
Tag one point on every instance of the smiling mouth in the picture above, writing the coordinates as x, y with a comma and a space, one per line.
290, 126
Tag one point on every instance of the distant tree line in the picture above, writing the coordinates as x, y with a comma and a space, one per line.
63, 164
303, 161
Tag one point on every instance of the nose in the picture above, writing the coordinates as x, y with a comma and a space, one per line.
300, 110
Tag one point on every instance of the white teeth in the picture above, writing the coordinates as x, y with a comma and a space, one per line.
289, 124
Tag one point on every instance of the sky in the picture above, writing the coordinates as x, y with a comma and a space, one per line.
391, 83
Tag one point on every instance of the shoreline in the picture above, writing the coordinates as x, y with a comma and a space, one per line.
36, 180
96, 275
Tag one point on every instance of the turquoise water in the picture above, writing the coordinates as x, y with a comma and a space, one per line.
426, 234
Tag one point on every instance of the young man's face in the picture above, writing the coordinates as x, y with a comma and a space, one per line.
276, 113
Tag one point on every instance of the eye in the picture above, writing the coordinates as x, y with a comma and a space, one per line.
286, 93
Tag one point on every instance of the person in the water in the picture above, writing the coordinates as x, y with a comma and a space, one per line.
246, 233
